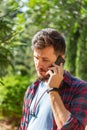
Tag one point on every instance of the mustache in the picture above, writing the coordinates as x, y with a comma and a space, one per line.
41, 69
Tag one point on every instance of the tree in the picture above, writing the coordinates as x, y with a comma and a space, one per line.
82, 53
6, 37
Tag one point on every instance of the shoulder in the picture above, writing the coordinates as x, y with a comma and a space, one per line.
74, 81
78, 82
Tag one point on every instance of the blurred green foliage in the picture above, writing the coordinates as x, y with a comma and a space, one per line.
12, 94
6, 37
81, 68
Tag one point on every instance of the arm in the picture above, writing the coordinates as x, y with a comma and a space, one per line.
77, 117
63, 118
61, 114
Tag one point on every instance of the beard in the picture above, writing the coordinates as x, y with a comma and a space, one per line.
41, 76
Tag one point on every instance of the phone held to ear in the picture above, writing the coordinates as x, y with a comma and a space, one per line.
57, 62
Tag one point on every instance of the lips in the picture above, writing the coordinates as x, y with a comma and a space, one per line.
41, 70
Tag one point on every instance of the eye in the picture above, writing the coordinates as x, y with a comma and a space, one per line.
35, 57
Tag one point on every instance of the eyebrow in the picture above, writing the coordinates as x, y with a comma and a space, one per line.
43, 57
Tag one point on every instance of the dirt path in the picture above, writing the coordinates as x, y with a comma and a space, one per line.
4, 125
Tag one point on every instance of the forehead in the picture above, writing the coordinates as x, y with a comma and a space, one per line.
46, 52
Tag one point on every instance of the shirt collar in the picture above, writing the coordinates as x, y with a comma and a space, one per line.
67, 80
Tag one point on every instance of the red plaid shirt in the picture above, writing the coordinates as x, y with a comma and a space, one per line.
73, 92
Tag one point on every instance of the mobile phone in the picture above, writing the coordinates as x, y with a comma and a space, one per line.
59, 60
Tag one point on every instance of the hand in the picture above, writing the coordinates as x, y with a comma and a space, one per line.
56, 76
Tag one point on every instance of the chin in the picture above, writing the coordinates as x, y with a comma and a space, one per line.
42, 77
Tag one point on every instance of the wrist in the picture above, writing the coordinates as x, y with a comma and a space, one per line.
52, 89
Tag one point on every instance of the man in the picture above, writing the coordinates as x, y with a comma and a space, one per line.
57, 100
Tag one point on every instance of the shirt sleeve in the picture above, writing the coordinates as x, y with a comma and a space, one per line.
72, 124
78, 117
24, 120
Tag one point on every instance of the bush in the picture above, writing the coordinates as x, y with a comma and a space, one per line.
12, 93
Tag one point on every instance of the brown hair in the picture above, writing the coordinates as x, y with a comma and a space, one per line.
49, 37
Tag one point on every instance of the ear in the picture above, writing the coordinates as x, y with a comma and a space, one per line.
63, 56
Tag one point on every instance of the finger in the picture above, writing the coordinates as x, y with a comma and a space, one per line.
60, 70
49, 72
54, 70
